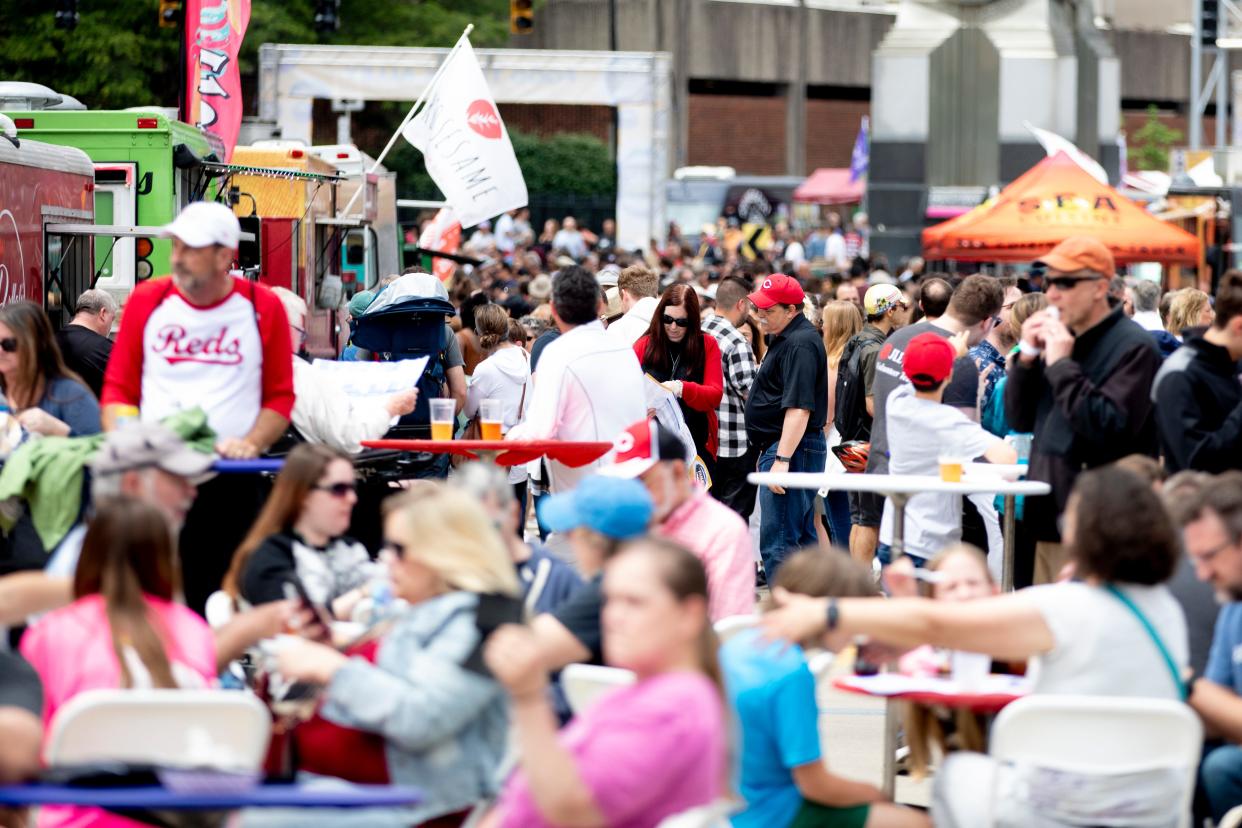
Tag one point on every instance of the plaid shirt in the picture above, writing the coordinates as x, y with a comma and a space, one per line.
985, 354
739, 373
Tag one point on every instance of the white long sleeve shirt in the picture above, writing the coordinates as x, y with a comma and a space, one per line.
589, 387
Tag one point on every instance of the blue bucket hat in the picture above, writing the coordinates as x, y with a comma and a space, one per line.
614, 507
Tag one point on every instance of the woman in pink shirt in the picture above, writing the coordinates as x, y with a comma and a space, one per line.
644, 752
124, 629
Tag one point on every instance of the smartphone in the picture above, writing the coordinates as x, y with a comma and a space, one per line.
295, 590
493, 612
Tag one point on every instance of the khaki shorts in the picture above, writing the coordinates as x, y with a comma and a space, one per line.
1050, 558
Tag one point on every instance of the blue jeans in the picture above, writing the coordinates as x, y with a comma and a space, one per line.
837, 507
787, 522
885, 553
1220, 775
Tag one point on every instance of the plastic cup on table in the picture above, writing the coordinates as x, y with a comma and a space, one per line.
951, 469
970, 669
491, 417
443, 416
1022, 445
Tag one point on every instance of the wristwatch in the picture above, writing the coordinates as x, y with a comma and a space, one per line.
834, 617
780, 459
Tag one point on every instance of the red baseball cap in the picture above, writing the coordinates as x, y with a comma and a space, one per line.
640, 447
778, 289
928, 361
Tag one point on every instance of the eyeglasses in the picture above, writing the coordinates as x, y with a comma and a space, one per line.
8, 345
1069, 282
339, 489
1206, 557
397, 549
672, 320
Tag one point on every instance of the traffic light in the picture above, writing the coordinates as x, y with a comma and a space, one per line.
1209, 16
327, 15
143, 270
66, 14
521, 16
170, 14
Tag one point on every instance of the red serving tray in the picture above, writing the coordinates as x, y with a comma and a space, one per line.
512, 452
975, 702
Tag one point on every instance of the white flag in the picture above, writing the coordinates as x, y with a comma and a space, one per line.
1053, 143
465, 144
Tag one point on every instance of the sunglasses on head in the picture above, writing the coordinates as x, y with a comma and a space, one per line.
338, 489
672, 320
8, 345
1068, 282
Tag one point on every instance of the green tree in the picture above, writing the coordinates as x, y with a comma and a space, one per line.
1152, 142
118, 56
566, 164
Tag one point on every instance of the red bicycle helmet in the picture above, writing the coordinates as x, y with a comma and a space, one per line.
853, 455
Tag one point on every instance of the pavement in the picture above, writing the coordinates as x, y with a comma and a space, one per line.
851, 732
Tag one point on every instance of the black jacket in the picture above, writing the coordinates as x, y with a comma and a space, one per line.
1086, 411
1199, 408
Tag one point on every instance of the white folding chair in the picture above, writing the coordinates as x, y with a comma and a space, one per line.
218, 729
1101, 735
584, 684
728, 627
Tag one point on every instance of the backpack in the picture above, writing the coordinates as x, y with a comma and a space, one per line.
850, 417
408, 330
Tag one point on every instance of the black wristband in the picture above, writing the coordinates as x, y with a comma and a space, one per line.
833, 615
780, 459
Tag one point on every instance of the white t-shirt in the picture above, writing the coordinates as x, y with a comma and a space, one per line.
1101, 648
504, 376
920, 432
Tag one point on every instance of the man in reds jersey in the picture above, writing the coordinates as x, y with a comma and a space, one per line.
205, 338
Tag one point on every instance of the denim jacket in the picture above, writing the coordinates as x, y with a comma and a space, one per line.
445, 728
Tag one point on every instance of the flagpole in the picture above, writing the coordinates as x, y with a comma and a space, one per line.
409, 116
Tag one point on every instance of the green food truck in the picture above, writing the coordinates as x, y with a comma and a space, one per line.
148, 165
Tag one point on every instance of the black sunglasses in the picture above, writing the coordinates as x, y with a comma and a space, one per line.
1068, 282
672, 320
8, 345
336, 489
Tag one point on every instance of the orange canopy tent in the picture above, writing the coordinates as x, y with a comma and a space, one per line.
1050, 202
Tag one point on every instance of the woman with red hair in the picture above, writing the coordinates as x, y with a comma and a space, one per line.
677, 353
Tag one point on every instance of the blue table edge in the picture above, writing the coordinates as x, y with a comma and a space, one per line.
261, 796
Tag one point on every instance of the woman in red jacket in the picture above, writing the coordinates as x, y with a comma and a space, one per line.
676, 352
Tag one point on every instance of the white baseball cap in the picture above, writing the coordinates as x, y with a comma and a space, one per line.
204, 223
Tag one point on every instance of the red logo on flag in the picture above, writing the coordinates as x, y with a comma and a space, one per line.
483, 119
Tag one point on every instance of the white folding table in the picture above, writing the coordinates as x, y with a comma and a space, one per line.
981, 478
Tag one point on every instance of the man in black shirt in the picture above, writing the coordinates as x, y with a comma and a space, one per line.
597, 516
1197, 395
84, 341
886, 308
785, 416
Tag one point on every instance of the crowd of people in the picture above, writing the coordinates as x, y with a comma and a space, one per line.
411, 629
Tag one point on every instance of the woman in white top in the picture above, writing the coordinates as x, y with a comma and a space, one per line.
504, 375
1115, 632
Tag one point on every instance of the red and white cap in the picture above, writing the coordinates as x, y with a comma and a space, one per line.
778, 289
640, 447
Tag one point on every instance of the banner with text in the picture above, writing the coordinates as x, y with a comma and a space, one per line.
443, 235
213, 36
465, 144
